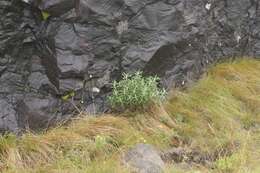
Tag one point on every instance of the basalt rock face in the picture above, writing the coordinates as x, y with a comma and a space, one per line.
50, 68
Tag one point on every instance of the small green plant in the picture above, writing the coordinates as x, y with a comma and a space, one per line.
135, 91
45, 15
68, 95
227, 164
100, 142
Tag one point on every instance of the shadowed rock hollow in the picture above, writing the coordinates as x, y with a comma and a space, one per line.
86, 44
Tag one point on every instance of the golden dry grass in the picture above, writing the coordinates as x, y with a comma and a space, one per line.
221, 111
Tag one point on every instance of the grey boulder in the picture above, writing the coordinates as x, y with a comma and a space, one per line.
143, 158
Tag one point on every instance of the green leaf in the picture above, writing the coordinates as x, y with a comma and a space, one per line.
68, 95
45, 15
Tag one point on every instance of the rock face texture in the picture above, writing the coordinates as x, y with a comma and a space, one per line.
48, 68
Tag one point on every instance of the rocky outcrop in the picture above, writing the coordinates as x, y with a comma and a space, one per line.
48, 68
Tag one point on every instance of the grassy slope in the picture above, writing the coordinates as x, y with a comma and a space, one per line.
221, 111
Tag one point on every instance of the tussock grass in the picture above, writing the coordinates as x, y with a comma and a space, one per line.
220, 115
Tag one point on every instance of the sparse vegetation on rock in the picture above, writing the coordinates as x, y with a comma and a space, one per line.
201, 129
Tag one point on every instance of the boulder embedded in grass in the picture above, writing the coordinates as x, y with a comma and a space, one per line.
144, 158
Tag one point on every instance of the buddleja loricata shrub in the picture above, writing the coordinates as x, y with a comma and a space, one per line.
135, 91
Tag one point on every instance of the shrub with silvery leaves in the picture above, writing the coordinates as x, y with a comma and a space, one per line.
135, 91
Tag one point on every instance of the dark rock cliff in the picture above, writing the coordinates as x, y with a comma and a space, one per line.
86, 44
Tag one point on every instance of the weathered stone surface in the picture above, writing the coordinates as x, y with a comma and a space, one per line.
34, 113
7, 117
86, 44
56, 7
144, 158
